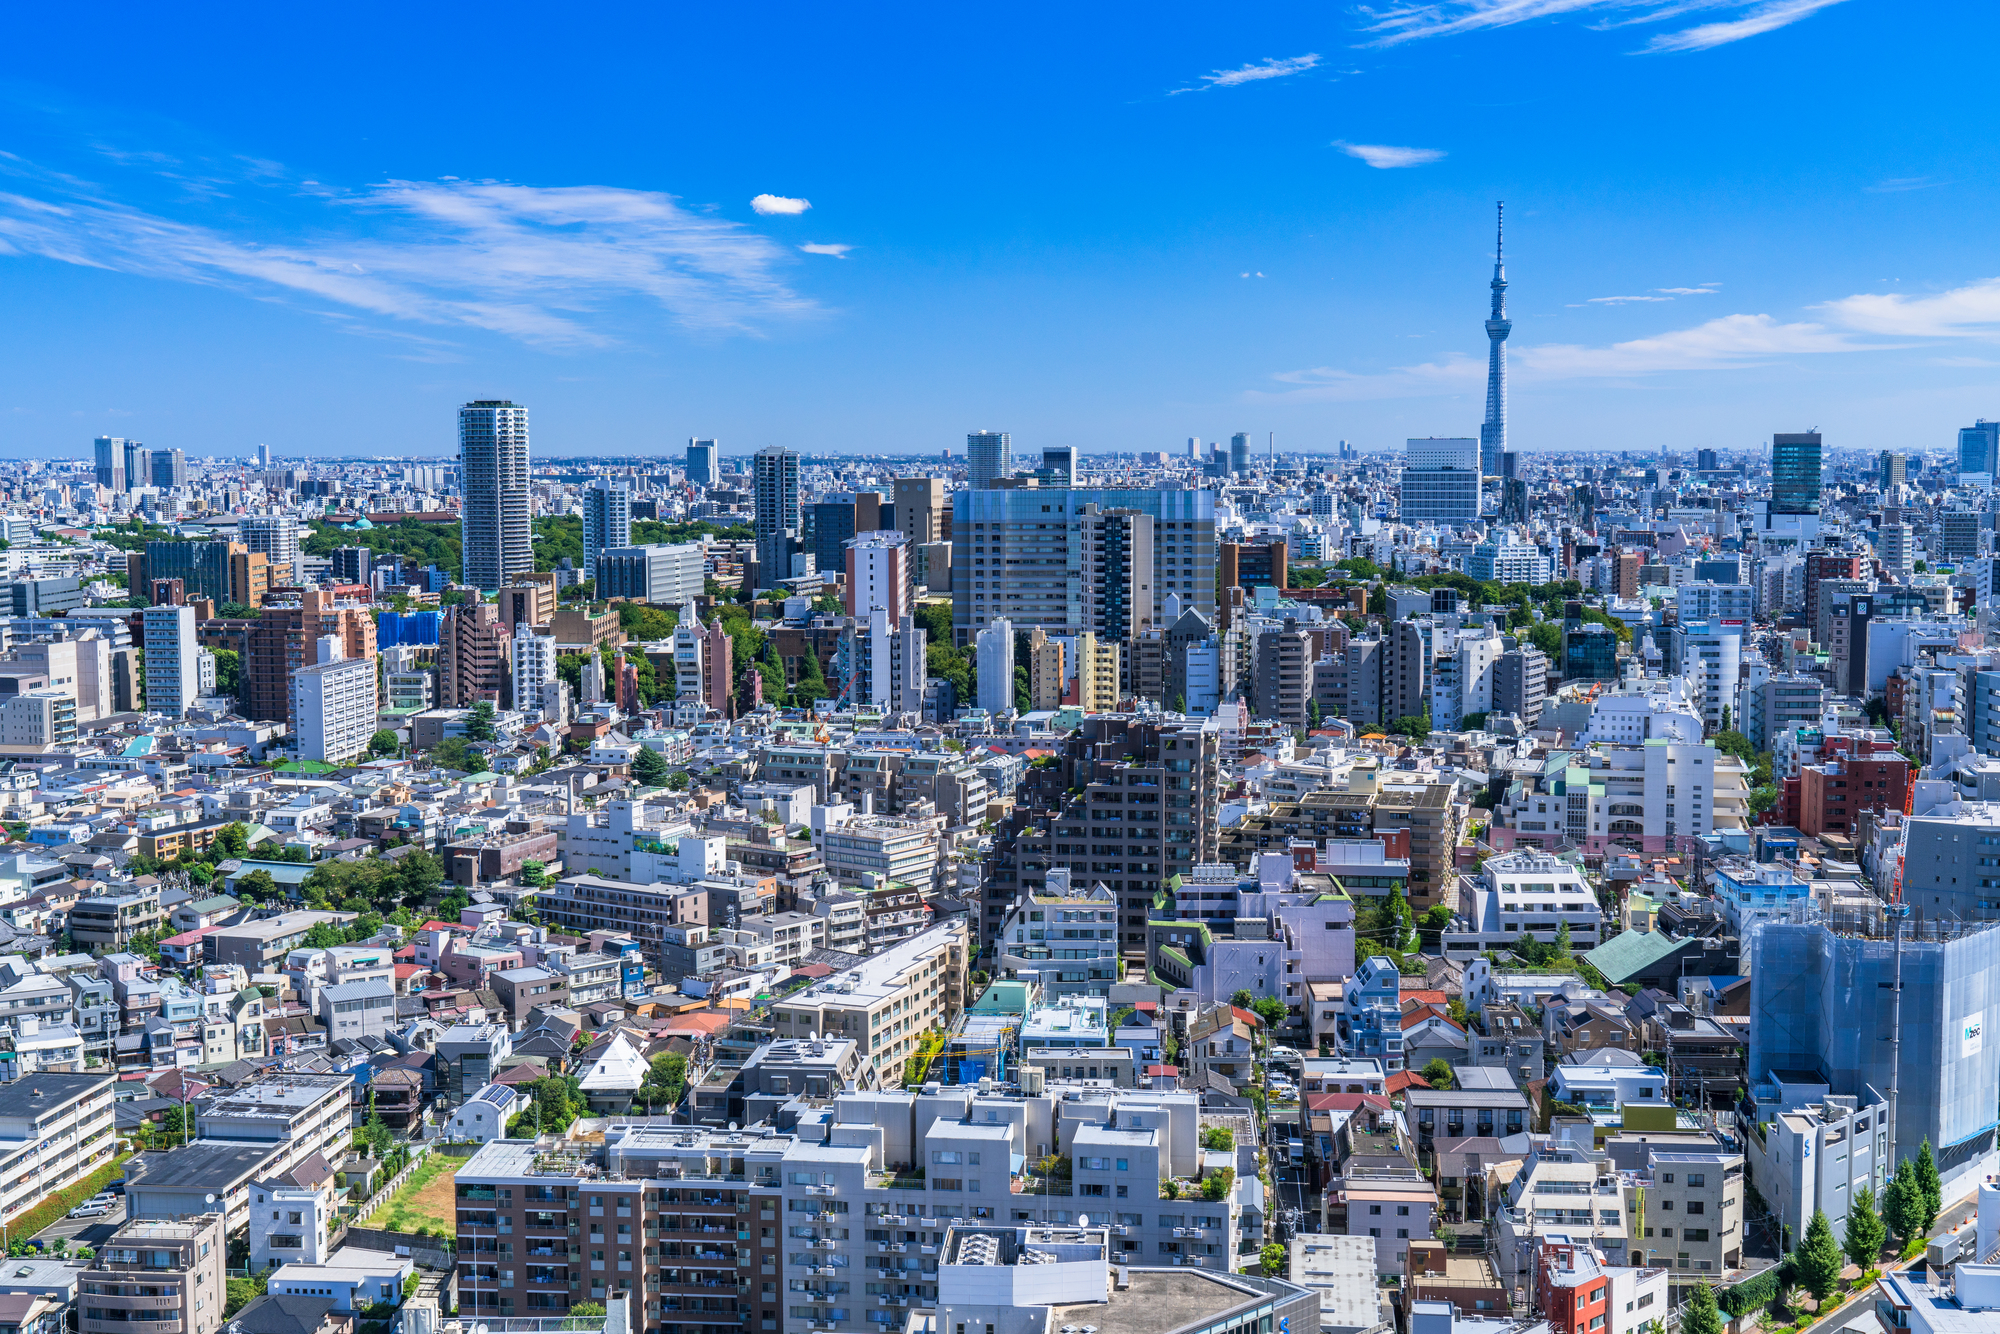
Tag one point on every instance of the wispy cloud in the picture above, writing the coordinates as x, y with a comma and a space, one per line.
1706, 289
534, 263
1732, 342
1657, 294
1269, 68
1899, 184
1386, 155
779, 205
1621, 300
1412, 20
822, 248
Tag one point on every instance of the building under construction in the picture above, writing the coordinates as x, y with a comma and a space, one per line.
1822, 1006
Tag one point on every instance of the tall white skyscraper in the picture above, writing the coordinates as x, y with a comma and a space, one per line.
534, 664
996, 667
334, 706
496, 533
277, 536
172, 673
111, 463
607, 519
989, 456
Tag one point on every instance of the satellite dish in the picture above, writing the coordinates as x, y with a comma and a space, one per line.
732, 1127
1083, 1220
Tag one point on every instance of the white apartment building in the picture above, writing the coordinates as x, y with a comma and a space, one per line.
887, 1002
1711, 657
1694, 1211
534, 663
290, 1223
172, 672
1657, 709
305, 1113
54, 1130
277, 536
1462, 674
1711, 602
1522, 894
37, 719
895, 851
1820, 1156
334, 707
1645, 798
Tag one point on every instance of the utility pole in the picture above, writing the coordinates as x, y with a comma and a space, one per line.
1898, 912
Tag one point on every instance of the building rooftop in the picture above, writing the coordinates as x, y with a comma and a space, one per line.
290, 1094
37, 1095
202, 1165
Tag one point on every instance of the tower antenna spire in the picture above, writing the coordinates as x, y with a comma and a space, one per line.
1493, 431
1499, 230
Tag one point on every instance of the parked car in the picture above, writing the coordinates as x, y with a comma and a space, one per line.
90, 1209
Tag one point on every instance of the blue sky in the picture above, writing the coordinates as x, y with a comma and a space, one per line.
1112, 226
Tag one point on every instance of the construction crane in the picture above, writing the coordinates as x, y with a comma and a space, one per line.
1909, 805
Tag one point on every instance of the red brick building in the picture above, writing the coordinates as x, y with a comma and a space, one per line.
1831, 796
1571, 1287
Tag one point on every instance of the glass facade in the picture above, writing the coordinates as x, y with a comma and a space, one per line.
1795, 473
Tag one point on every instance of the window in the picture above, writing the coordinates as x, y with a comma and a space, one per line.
1697, 1178
1374, 1208
1696, 1207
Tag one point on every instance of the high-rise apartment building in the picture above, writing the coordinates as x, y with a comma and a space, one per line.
335, 708
989, 456
919, 504
1441, 481
1706, 460
1097, 671
1021, 554
1045, 671
1894, 470
291, 635
110, 470
138, 464
887, 661
995, 664
1958, 534
1284, 679
1898, 550
607, 519
703, 467
472, 657
172, 671
1521, 683
495, 527
776, 473
276, 537
878, 575
1795, 472
534, 663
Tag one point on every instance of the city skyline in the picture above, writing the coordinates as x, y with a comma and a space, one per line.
1277, 228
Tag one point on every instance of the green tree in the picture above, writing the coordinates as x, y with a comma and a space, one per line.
649, 769
1930, 1190
1902, 1203
678, 781
1417, 728
383, 742
1219, 1139
1818, 1260
1241, 1000
232, 840
324, 936
1313, 715
1273, 1260
1547, 638
1563, 941
1699, 1316
479, 723
1474, 722
454, 753
534, 875
1271, 1010
1865, 1232
1437, 1073
645, 624
1735, 743
418, 874
666, 1080
258, 886
228, 671
586, 1310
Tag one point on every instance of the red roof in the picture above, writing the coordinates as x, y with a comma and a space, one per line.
813, 970
1403, 1079
1346, 1102
445, 926
1247, 1016
405, 971
1172, 1070
1145, 1005
190, 937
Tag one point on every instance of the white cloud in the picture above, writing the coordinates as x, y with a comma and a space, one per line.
1268, 68
837, 251
778, 204
1760, 20
1411, 20
1385, 155
1621, 300
1971, 310
1730, 343
533, 263
1706, 289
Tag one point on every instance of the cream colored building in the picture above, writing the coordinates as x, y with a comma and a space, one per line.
887, 1002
